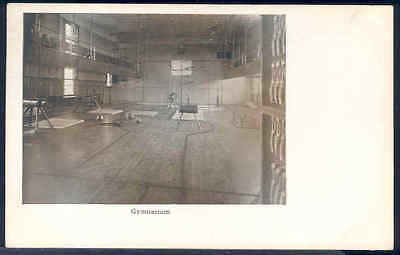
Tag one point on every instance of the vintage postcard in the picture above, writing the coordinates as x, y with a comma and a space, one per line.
199, 126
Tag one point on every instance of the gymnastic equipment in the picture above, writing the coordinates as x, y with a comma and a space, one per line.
172, 100
81, 101
188, 108
34, 107
108, 116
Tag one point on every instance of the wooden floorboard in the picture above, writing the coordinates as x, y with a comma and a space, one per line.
150, 162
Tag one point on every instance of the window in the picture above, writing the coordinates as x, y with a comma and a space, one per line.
71, 33
181, 67
93, 53
108, 79
69, 76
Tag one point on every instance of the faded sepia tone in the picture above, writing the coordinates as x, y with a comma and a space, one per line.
154, 109
339, 151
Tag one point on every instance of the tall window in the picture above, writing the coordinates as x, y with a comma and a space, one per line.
108, 79
69, 76
71, 34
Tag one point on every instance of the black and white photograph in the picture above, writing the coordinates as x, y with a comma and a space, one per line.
154, 108
199, 126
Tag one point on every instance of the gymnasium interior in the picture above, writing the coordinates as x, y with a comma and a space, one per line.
154, 109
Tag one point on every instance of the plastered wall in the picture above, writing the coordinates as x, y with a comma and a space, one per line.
201, 87
213, 81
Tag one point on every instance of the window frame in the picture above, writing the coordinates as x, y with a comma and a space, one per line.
72, 40
69, 81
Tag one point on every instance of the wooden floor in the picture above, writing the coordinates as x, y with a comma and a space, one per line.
148, 163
